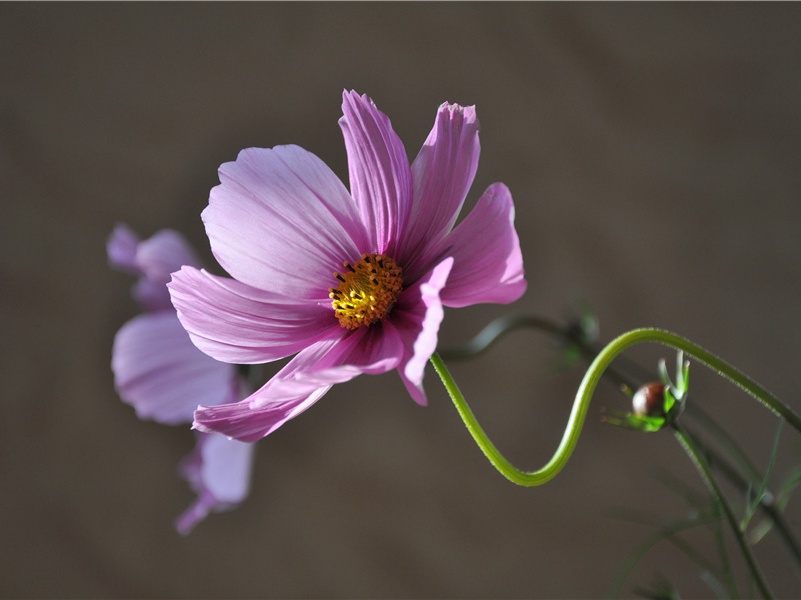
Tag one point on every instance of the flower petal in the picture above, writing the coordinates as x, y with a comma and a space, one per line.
303, 381
371, 350
121, 249
418, 317
488, 263
164, 252
152, 260
219, 470
280, 220
241, 422
159, 372
378, 167
442, 174
236, 323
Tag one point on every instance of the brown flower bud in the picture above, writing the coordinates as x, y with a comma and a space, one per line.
649, 401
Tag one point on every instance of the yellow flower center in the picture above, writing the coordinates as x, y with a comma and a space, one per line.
367, 290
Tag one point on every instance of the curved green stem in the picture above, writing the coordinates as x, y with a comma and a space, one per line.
717, 364
498, 460
584, 395
488, 336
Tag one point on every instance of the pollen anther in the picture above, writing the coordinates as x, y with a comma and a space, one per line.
367, 290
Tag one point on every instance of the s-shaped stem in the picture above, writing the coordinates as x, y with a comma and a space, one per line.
584, 395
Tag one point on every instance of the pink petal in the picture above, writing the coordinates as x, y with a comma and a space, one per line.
236, 323
371, 350
121, 249
488, 263
164, 252
442, 174
303, 381
280, 220
152, 295
380, 179
418, 316
159, 372
219, 470
151, 260
240, 421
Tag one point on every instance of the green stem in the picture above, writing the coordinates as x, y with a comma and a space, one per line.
767, 504
579, 412
498, 460
503, 325
729, 444
584, 395
689, 446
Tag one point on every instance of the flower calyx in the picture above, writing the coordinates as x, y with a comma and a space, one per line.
657, 404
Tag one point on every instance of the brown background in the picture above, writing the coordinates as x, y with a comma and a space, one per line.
653, 154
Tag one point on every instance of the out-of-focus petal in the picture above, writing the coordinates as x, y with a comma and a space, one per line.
152, 295
442, 174
164, 252
418, 317
236, 323
380, 179
121, 249
303, 381
159, 372
219, 471
488, 264
152, 260
280, 220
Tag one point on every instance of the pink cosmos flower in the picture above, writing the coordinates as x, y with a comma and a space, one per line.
159, 372
350, 283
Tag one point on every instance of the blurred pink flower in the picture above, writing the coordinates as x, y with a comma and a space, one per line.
353, 282
159, 372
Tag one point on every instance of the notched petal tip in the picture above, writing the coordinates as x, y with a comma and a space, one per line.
355, 97
459, 111
443, 172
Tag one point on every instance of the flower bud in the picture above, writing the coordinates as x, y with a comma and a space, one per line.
649, 400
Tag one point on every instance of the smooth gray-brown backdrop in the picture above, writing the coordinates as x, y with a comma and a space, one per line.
653, 154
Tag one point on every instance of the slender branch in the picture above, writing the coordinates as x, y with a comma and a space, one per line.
668, 533
689, 446
729, 444
767, 503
